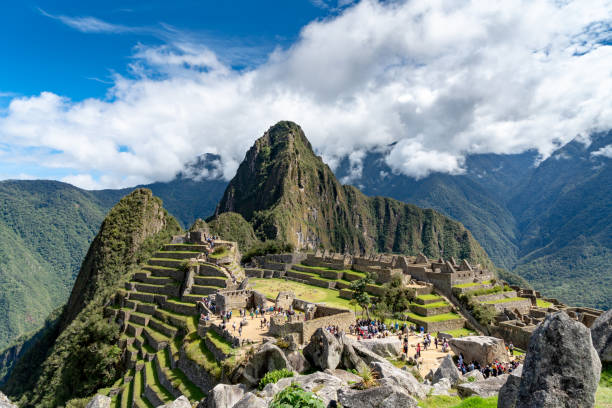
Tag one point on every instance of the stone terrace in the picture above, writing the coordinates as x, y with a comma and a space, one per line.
159, 312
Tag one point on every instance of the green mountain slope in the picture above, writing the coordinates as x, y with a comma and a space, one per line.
286, 192
550, 224
84, 356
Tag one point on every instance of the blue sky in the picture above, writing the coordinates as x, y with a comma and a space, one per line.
42, 53
114, 94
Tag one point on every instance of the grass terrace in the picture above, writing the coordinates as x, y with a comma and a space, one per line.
543, 303
178, 379
197, 352
504, 300
461, 332
431, 296
322, 268
271, 287
437, 318
154, 384
432, 305
471, 284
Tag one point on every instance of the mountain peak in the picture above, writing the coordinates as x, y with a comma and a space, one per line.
286, 192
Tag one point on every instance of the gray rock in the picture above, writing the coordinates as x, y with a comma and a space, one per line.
350, 360
401, 378
298, 361
180, 402
363, 352
99, 401
386, 396
484, 388
6, 403
251, 400
509, 391
324, 350
561, 367
346, 377
322, 384
484, 349
447, 369
442, 387
267, 358
601, 334
388, 347
225, 396
475, 374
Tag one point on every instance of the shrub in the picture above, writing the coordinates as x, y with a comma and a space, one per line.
272, 377
294, 396
368, 378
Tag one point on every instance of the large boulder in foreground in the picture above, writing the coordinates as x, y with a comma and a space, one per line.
388, 347
447, 369
484, 349
389, 374
324, 350
98, 401
180, 402
561, 367
6, 403
267, 358
385, 396
225, 395
509, 391
601, 334
251, 400
483, 388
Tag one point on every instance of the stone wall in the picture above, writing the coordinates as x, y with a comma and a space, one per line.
511, 332
430, 311
433, 327
523, 306
196, 374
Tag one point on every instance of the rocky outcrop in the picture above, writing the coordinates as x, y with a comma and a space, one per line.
447, 369
484, 349
298, 361
99, 401
601, 334
561, 368
6, 403
483, 388
180, 402
389, 374
388, 347
509, 391
442, 387
386, 396
475, 374
324, 350
224, 396
251, 400
267, 358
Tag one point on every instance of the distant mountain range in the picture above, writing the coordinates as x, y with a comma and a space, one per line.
549, 223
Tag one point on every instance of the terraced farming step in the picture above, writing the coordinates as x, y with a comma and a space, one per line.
210, 281
438, 323
166, 262
182, 255
186, 247
177, 378
154, 391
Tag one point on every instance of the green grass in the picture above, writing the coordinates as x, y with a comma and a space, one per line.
543, 303
221, 254
220, 342
461, 332
197, 352
271, 287
154, 384
432, 305
603, 396
443, 401
437, 318
504, 300
322, 268
471, 284
431, 296
178, 379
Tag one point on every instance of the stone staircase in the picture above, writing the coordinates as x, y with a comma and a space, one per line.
160, 328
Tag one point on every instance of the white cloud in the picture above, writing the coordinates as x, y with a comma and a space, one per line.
90, 24
442, 78
605, 151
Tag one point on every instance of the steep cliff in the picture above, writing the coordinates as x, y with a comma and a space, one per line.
286, 192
